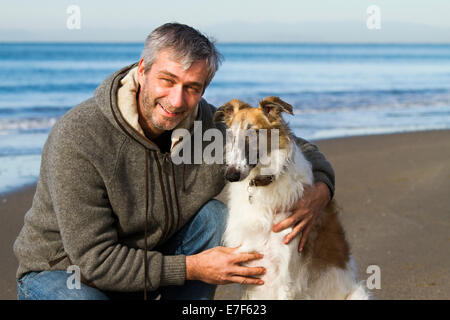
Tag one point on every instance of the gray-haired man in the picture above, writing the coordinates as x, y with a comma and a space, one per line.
112, 203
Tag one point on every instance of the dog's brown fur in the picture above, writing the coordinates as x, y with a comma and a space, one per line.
329, 248
266, 116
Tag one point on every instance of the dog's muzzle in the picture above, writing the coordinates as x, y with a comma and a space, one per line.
232, 174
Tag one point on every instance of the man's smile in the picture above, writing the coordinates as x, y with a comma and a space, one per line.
168, 113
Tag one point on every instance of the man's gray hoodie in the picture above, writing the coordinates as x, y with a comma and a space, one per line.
107, 196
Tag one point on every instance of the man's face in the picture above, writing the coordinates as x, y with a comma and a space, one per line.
169, 93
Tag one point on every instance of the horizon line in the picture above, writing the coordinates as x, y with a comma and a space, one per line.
232, 42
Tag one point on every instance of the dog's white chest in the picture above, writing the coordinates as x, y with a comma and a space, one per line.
281, 262
274, 250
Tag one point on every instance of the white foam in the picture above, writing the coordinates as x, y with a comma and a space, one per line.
7, 125
17, 171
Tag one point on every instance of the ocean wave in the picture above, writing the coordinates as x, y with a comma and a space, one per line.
332, 100
10, 152
330, 92
382, 111
47, 65
42, 110
24, 125
340, 132
336, 52
49, 87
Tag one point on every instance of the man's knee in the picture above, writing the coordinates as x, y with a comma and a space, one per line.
206, 228
53, 285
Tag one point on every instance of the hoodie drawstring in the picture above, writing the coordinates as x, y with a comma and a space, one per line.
163, 192
176, 193
166, 207
184, 183
146, 224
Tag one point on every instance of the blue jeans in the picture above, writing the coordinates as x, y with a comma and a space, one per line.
203, 232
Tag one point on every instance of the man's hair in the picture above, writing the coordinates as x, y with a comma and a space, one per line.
188, 45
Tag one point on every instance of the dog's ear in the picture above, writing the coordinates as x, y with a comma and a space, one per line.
273, 106
226, 112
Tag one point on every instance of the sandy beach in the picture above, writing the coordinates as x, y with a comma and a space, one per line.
395, 194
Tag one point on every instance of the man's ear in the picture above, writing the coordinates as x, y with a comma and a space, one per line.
225, 113
140, 72
273, 106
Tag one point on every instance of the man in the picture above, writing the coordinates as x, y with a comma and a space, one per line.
112, 204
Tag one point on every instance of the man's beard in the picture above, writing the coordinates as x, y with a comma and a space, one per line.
149, 109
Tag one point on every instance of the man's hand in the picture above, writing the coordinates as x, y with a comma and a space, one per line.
221, 265
305, 213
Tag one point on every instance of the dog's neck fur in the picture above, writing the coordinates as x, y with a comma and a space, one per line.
290, 172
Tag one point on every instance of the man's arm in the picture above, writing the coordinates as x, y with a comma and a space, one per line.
322, 169
315, 198
88, 226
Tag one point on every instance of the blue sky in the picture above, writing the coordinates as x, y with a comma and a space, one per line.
229, 21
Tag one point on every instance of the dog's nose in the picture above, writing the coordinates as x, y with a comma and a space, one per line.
232, 174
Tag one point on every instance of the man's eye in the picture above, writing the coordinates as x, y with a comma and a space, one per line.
167, 80
193, 89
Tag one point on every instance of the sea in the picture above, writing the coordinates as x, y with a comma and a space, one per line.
337, 90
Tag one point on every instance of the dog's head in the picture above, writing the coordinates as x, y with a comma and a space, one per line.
253, 133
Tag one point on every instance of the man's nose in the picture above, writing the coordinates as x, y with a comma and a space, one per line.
176, 98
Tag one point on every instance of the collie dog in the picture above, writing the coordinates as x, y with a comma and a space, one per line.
260, 195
